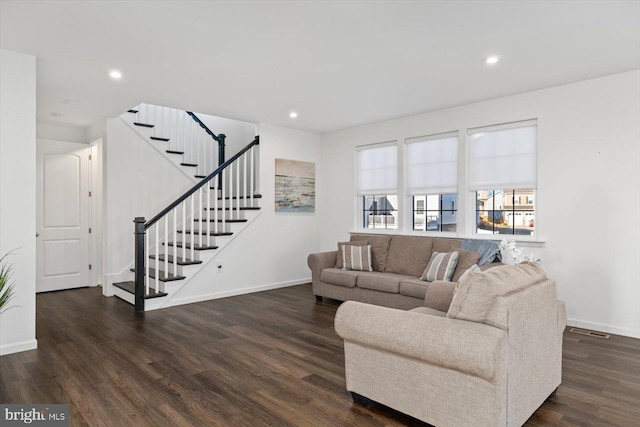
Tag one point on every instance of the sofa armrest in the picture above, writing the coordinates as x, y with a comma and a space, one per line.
562, 318
473, 348
320, 261
439, 295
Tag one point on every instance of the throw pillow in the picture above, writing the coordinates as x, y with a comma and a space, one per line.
379, 249
440, 267
465, 260
339, 253
477, 292
356, 258
473, 269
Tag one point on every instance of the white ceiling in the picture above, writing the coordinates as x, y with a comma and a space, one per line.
337, 63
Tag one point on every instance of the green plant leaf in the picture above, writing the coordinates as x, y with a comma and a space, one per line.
6, 285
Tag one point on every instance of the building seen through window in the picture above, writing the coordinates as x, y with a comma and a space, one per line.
505, 212
380, 211
435, 212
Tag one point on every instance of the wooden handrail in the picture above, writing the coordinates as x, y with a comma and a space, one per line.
204, 181
219, 138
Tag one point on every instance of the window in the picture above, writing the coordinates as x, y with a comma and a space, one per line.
503, 173
377, 177
432, 181
440, 214
380, 211
498, 212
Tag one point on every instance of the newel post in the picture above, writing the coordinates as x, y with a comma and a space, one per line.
221, 155
139, 262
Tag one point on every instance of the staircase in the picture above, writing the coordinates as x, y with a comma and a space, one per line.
174, 245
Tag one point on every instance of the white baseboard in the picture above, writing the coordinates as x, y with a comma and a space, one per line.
18, 347
603, 328
235, 292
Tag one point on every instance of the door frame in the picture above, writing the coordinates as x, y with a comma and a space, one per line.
96, 241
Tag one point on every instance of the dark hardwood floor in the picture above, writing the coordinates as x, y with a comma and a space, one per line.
270, 358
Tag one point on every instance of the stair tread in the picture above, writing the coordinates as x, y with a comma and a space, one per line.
220, 233
255, 196
188, 246
180, 260
164, 277
193, 165
242, 208
144, 125
220, 220
132, 111
200, 176
131, 288
157, 138
175, 152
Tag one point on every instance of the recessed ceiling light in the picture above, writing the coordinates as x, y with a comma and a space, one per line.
293, 115
493, 59
115, 74
55, 115
71, 101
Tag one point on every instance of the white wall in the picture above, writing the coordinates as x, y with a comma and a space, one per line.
138, 181
62, 132
272, 251
17, 196
588, 150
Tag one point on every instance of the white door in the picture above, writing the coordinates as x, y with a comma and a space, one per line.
62, 243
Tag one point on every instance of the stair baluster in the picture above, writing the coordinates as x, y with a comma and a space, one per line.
224, 202
251, 191
245, 183
193, 234
208, 208
201, 227
157, 259
184, 227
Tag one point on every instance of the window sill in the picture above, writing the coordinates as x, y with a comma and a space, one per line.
525, 242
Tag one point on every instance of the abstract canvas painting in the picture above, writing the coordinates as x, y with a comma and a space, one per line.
295, 186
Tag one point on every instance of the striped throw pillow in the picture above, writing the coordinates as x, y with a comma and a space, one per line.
356, 257
441, 267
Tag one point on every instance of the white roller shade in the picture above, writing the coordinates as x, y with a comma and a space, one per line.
503, 157
432, 164
377, 169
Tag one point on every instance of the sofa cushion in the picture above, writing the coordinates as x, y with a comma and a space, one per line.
380, 282
429, 311
477, 293
333, 276
441, 267
439, 295
356, 257
466, 259
442, 244
339, 253
409, 255
379, 249
413, 288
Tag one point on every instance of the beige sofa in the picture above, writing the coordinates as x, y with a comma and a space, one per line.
398, 263
490, 360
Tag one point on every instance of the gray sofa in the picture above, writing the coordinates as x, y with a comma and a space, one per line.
490, 360
398, 263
